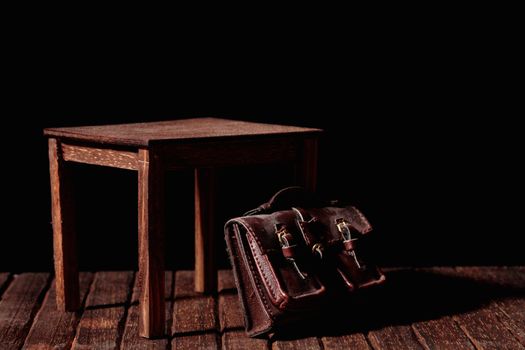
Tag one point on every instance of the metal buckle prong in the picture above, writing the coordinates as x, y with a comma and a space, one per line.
318, 249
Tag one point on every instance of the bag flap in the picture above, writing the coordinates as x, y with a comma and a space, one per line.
263, 228
328, 218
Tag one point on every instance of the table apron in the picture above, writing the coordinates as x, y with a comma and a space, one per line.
100, 156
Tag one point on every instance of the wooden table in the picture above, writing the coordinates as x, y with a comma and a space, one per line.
151, 149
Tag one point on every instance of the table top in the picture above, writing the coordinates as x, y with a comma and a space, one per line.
143, 134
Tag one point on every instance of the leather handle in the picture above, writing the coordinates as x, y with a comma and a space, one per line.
278, 200
294, 196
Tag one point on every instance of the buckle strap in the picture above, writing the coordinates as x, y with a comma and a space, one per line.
288, 248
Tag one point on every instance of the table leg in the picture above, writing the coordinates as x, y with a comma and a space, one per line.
205, 268
64, 236
306, 171
151, 244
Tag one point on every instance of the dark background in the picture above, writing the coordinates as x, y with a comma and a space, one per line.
425, 123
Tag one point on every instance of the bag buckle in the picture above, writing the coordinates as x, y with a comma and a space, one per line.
345, 229
282, 234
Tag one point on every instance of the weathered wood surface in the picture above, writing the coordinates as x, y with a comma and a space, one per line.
100, 156
18, 306
103, 319
142, 134
237, 340
394, 337
231, 321
514, 306
194, 315
52, 328
442, 332
488, 326
310, 343
479, 308
131, 339
355, 341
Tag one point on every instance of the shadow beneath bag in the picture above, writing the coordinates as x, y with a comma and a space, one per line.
408, 296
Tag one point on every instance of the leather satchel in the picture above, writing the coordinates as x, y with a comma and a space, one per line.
295, 256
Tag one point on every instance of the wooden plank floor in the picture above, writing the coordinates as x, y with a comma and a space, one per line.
431, 308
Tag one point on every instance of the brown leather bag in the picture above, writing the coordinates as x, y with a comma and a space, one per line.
294, 256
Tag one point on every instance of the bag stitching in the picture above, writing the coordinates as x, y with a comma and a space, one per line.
263, 272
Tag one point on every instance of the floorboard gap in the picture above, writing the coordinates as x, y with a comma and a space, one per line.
47, 289
369, 342
320, 341
419, 337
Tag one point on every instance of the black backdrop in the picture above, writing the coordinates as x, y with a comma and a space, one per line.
433, 153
